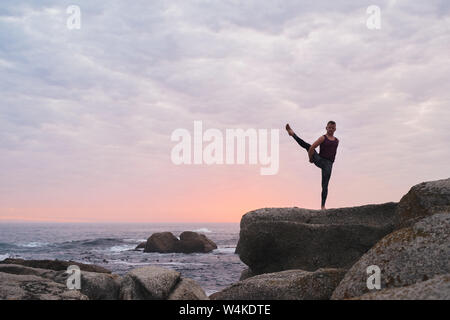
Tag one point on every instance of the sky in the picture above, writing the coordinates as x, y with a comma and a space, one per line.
87, 114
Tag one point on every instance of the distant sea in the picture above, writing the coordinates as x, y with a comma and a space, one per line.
112, 246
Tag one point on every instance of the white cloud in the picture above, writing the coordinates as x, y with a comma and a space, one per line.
114, 90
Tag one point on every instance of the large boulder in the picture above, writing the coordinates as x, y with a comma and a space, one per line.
148, 283
166, 242
156, 283
276, 239
100, 286
162, 242
437, 288
31, 287
405, 257
57, 265
284, 285
422, 200
194, 242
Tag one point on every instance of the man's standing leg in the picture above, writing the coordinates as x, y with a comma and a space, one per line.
326, 174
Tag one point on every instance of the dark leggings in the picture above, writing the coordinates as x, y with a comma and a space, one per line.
322, 163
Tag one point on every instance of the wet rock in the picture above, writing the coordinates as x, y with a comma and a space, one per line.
141, 245
57, 265
190, 242
163, 242
194, 242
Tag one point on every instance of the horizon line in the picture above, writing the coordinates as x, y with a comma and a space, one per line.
109, 221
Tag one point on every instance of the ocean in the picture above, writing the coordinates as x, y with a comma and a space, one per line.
112, 246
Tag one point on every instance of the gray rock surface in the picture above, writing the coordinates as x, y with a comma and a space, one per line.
437, 288
31, 287
100, 286
275, 239
405, 257
188, 289
148, 283
94, 285
284, 285
145, 283
422, 200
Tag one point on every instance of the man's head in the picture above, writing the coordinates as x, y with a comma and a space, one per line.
331, 127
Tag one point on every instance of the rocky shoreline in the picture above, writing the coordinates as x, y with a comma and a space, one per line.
408, 241
291, 254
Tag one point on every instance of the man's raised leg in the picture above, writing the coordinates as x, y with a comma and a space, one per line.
299, 141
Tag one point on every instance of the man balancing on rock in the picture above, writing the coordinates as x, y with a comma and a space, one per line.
324, 160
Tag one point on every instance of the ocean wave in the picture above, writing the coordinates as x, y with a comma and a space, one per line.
100, 241
90, 242
131, 263
33, 244
5, 245
4, 256
153, 263
180, 263
121, 248
204, 230
210, 292
134, 240
225, 250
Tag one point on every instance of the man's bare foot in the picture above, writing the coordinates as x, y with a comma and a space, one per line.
289, 130
323, 208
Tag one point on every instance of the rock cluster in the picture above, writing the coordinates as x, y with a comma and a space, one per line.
408, 241
189, 242
20, 282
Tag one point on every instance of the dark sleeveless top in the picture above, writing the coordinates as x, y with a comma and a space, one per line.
328, 148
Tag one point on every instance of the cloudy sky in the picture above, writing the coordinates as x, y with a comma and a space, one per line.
86, 115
